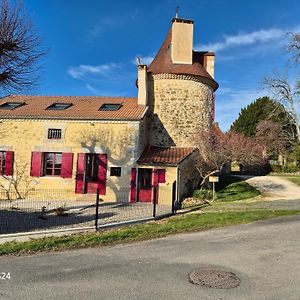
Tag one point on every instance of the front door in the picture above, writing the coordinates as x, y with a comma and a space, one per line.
91, 173
144, 185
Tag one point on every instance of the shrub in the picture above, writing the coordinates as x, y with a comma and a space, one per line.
290, 169
202, 194
276, 168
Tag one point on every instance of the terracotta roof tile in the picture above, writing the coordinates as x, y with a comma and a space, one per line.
83, 107
162, 63
164, 155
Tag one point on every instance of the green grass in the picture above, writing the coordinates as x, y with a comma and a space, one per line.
177, 224
295, 179
237, 191
231, 188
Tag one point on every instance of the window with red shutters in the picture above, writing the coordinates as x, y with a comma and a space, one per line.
36, 164
2, 162
67, 165
52, 164
161, 175
9, 160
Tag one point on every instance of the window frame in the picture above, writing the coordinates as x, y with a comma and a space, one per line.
54, 162
2, 162
118, 170
92, 167
105, 107
59, 106
56, 134
6, 105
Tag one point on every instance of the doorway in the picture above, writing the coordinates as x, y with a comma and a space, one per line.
144, 185
91, 173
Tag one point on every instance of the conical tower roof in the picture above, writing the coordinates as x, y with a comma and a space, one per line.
162, 63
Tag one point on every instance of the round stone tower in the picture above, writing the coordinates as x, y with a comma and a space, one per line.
179, 88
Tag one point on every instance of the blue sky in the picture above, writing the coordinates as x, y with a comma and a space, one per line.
93, 44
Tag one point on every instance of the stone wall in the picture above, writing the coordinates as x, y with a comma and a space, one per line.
180, 105
119, 140
188, 176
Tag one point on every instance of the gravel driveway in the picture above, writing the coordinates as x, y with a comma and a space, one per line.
275, 188
277, 193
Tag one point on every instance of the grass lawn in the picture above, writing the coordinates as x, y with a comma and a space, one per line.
177, 224
295, 179
231, 188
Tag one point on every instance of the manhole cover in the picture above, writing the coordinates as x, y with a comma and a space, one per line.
215, 278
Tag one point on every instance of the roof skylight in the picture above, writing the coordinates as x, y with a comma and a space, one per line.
59, 106
110, 106
11, 105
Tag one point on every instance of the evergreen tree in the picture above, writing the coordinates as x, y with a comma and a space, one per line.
264, 109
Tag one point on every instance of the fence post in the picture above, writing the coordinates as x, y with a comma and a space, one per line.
154, 201
97, 210
173, 196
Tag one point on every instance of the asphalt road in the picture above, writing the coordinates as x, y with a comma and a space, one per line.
265, 256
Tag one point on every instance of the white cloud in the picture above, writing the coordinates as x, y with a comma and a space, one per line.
85, 70
91, 88
241, 39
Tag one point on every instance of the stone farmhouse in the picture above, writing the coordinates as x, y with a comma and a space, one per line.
113, 144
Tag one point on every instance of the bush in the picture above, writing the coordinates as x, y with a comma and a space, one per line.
203, 194
290, 169
276, 168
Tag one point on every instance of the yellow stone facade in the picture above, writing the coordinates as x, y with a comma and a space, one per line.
121, 142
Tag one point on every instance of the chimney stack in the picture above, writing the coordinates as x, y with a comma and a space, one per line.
142, 85
182, 41
209, 63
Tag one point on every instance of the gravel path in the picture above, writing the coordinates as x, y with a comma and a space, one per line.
277, 194
275, 188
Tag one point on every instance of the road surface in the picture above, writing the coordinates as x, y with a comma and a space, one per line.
265, 255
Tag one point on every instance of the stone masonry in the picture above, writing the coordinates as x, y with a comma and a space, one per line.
181, 105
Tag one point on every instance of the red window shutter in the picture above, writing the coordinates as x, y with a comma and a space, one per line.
155, 177
102, 173
36, 164
9, 161
133, 185
79, 188
161, 176
66, 165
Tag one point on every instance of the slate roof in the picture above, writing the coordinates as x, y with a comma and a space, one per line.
82, 108
162, 63
164, 155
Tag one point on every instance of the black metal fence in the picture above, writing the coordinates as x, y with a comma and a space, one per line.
41, 210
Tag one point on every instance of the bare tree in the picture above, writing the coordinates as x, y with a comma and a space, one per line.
19, 184
271, 135
19, 48
294, 46
284, 93
216, 149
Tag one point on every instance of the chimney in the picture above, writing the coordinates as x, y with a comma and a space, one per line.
182, 41
142, 85
209, 63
